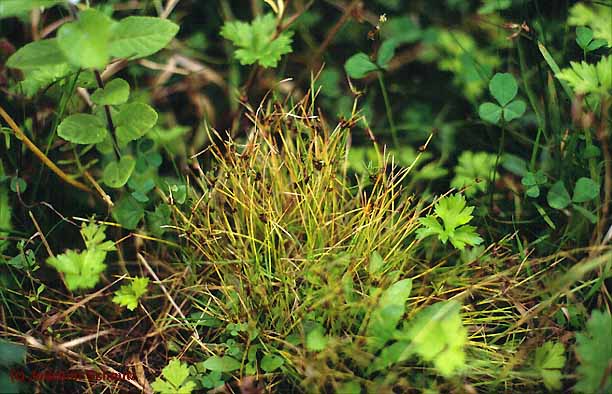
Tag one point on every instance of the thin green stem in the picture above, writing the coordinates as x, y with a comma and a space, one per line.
500, 151
388, 109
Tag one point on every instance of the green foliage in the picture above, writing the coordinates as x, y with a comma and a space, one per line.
128, 295
174, 379
474, 170
316, 340
133, 121
82, 129
115, 92
37, 55
136, 37
584, 38
490, 6
533, 181
82, 269
594, 351
458, 52
256, 41
455, 215
596, 16
360, 65
585, 190
558, 196
503, 88
221, 364
11, 355
585, 78
10, 8
85, 42
270, 363
5, 210
128, 212
387, 314
116, 174
549, 361
437, 335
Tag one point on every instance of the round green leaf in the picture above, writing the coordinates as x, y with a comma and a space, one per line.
133, 121
514, 110
558, 197
139, 36
271, 363
386, 53
128, 212
82, 129
586, 190
359, 65
584, 35
221, 364
490, 112
115, 92
116, 174
503, 87
85, 42
18, 185
533, 191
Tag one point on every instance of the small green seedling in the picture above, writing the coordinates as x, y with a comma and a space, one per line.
128, 295
256, 42
503, 88
549, 361
174, 379
455, 215
82, 269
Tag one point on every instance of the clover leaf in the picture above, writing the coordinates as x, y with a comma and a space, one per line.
533, 181
584, 38
503, 88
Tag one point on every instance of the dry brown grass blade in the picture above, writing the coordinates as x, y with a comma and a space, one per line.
46, 161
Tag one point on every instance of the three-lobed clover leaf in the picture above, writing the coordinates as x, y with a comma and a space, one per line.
455, 215
128, 295
256, 41
585, 190
585, 40
532, 181
503, 88
174, 379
